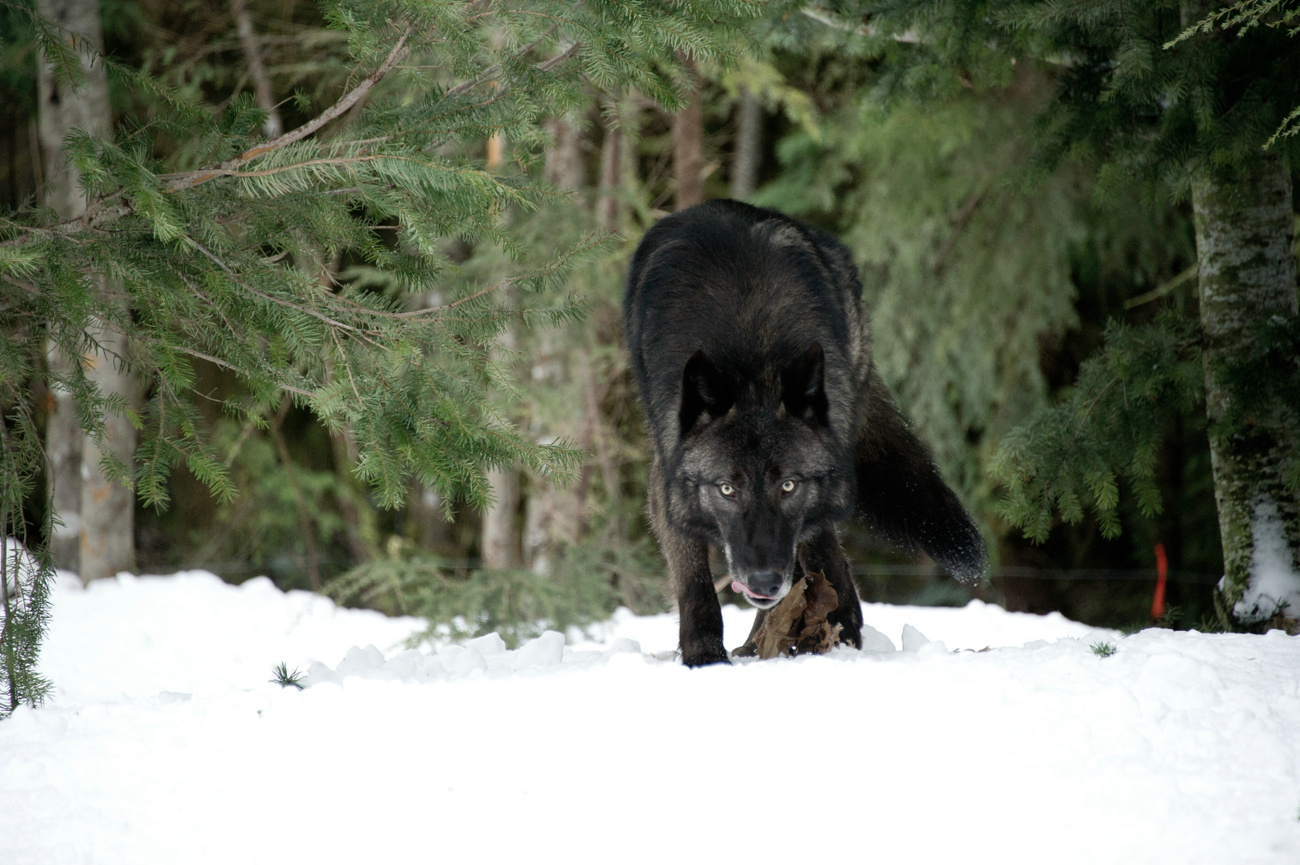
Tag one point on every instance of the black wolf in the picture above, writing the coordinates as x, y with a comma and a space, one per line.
767, 420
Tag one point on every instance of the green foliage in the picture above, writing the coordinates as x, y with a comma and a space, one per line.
262, 524
516, 603
932, 200
1243, 17
1133, 98
24, 611
24, 576
1071, 457
1103, 650
284, 677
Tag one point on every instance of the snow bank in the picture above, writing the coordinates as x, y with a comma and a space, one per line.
137, 636
166, 744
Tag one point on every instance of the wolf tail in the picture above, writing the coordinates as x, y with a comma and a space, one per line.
903, 499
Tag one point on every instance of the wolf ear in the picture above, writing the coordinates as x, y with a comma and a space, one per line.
803, 386
705, 391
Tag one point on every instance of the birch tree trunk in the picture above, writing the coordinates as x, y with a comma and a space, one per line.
1245, 251
97, 537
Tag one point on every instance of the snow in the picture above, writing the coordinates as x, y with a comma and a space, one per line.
1273, 584
960, 735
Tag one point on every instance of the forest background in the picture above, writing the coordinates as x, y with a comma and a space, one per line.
1012, 263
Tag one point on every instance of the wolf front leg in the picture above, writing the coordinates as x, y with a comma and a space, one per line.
700, 628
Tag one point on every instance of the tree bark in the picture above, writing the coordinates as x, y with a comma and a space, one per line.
609, 209
500, 545
547, 519
107, 505
499, 538
566, 163
98, 518
1245, 253
688, 147
748, 145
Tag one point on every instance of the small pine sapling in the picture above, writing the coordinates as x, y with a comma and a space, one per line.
1103, 650
284, 677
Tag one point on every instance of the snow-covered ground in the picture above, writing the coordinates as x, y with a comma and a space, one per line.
165, 743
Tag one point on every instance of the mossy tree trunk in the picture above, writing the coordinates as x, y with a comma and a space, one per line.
1245, 251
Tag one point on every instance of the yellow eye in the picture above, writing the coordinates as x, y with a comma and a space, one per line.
787, 487
727, 490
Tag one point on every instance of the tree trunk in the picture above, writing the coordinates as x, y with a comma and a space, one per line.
98, 517
107, 505
63, 456
688, 148
566, 163
1245, 252
748, 145
608, 206
499, 539
547, 518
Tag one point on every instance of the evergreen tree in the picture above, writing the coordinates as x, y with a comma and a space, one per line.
208, 255
1193, 116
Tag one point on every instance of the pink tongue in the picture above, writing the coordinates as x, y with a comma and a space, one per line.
738, 586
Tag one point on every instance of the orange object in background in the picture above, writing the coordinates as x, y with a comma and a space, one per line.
1162, 577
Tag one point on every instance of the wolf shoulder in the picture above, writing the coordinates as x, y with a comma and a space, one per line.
741, 282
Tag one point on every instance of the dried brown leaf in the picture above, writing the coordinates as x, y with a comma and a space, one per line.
798, 625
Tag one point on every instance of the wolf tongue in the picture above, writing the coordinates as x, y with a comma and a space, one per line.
738, 586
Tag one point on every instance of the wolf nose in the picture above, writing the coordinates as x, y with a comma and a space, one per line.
766, 583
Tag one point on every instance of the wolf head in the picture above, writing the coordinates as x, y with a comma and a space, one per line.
760, 469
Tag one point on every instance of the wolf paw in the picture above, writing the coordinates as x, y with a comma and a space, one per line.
850, 635
703, 655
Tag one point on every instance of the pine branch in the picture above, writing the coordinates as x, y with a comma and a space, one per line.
338, 109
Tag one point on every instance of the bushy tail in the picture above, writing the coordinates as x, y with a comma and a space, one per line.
904, 500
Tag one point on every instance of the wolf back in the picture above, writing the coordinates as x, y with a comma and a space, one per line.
767, 421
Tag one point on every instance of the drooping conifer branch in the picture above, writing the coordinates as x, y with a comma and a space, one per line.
335, 111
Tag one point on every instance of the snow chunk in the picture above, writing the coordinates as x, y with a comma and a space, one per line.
486, 654
874, 641
488, 644
544, 651
913, 639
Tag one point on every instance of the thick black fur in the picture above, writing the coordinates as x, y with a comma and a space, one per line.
767, 420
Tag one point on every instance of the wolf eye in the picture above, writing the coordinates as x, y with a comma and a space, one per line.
787, 487
727, 490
